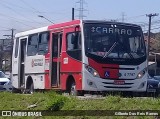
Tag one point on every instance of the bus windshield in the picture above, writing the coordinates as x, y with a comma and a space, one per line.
114, 41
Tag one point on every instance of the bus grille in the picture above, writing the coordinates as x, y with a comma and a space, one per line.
117, 87
116, 84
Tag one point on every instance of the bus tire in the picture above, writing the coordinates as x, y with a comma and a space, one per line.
73, 90
31, 89
71, 87
29, 85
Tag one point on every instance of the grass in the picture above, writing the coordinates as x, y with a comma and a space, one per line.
54, 102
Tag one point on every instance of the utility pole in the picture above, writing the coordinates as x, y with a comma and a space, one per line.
1, 55
149, 33
12, 42
81, 9
72, 13
123, 15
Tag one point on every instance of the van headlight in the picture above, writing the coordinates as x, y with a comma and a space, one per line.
141, 73
8, 83
92, 71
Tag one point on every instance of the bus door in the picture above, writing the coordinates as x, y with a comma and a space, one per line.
22, 55
56, 44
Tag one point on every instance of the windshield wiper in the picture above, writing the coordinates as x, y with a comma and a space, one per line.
110, 50
130, 55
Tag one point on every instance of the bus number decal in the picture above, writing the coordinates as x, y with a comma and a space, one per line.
65, 60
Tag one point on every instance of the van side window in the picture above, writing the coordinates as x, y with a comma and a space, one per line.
16, 48
43, 43
32, 45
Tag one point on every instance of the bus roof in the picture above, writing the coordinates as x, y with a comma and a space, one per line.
64, 24
70, 23
46, 28
110, 22
25, 33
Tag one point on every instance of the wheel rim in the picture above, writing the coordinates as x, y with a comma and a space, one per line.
73, 89
31, 90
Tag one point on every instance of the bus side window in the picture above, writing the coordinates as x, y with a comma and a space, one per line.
74, 45
32, 45
16, 48
73, 41
43, 43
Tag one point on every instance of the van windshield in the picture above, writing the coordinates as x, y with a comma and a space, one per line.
2, 75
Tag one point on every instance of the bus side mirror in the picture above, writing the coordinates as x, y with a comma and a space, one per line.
75, 35
73, 38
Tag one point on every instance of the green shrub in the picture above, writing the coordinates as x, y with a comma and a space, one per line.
55, 102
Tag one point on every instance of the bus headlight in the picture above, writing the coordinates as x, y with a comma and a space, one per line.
141, 73
92, 71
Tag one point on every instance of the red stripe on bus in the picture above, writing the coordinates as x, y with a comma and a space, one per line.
99, 67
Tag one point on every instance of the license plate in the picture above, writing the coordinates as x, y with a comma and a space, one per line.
119, 82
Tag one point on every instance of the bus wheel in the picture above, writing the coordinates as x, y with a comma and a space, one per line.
73, 90
31, 89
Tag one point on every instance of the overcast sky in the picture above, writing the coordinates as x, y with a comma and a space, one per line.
23, 14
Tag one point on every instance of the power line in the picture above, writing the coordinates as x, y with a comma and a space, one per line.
42, 13
37, 11
11, 9
20, 20
15, 5
17, 12
62, 12
124, 16
45, 18
34, 10
153, 28
4, 28
136, 16
30, 6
